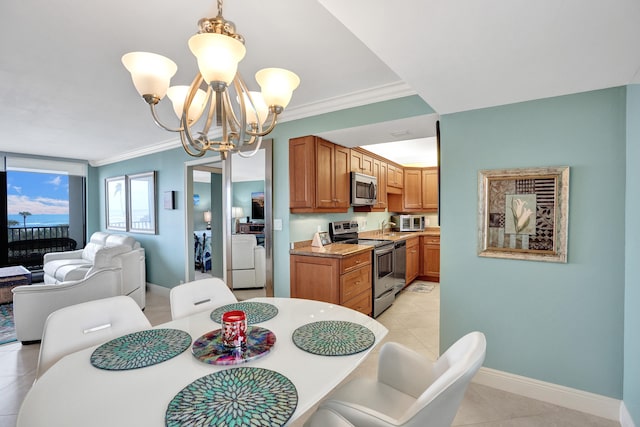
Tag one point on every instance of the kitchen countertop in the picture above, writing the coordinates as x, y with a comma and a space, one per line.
399, 235
339, 250
334, 250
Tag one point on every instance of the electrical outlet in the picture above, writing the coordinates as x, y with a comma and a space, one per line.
319, 228
277, 224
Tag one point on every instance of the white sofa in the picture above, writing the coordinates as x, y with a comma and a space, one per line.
32, 304
248, 262
102, 251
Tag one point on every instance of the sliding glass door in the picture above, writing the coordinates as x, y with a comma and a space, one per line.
44, 212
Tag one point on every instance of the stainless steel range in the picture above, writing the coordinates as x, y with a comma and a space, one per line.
382, 263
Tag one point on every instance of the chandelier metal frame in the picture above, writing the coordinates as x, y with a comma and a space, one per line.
244, 124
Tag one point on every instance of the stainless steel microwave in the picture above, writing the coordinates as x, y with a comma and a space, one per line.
364, 189
408, 222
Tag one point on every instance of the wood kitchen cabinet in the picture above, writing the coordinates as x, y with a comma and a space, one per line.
319, 176
430, 269
412, 190
345, 281
361, 162
430, 189
420, 192
413, 259
380, 172
395, 178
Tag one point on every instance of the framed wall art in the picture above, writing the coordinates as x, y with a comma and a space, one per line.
116, 203
523, 213
142, 214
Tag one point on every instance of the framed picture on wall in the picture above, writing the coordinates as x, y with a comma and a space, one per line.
257, 205
142, 202
524, 213
116, 203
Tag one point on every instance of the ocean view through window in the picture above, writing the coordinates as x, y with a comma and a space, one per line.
37, 199
45, 212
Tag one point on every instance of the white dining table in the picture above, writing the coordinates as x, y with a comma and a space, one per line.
75, 393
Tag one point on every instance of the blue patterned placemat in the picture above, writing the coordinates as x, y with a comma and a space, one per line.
256, 312
210, 349
333, 338
234, 397
140, 349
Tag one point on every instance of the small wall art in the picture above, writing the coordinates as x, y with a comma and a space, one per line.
523, 213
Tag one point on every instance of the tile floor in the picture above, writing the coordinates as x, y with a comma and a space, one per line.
482, 407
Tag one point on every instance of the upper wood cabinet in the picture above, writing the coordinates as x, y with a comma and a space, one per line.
395, 177
361, 162
318, 176
420, 192
302, 173
412, 191
430, 189
380, 172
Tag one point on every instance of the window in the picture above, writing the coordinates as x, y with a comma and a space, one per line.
44, 205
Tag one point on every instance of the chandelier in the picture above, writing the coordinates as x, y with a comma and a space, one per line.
243, 117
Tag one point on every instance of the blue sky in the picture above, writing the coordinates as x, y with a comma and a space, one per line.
38, 193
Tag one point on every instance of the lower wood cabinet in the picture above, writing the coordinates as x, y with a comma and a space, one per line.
430, 258
413, 259
344, 280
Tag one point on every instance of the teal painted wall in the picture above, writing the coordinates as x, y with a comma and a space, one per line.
632, 255
165, 251
561, 323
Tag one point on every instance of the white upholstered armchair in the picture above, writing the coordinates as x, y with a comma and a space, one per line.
248, 262
32, 304
104, 250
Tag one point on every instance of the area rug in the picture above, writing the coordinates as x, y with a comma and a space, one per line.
7, 330
421, 287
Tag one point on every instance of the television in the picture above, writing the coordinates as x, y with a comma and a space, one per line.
257, 205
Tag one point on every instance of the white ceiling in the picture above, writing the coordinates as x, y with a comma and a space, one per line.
65, 93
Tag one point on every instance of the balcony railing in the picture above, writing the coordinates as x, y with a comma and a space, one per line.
27, 245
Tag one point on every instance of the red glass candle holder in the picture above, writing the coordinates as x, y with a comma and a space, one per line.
234, 329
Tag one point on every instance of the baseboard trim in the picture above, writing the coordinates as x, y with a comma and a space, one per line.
625, 417
590, 403
157, 289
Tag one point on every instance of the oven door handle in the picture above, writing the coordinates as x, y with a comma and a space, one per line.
383, 251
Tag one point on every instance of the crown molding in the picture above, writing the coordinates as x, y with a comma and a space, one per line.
382, 93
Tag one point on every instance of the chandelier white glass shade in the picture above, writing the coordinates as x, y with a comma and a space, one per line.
218, 95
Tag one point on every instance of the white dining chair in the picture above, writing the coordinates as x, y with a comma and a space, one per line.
199, 295
80, 326
324, 417
410, 390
